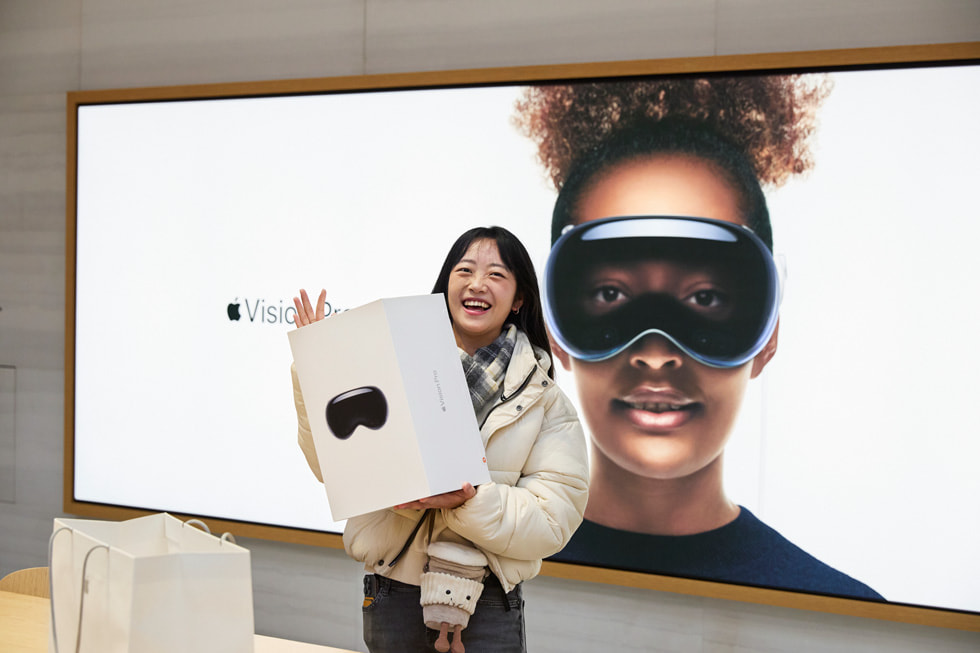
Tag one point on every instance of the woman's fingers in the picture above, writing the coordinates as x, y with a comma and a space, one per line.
321, 303
305, 312
411, 505
299, 319
307, 307
446, 500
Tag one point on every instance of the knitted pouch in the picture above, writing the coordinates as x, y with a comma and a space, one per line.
451, 585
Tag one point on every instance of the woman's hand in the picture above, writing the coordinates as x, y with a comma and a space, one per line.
305, 313
445, 500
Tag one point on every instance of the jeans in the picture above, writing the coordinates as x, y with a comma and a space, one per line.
393, 621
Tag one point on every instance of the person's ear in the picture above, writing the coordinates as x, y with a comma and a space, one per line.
516, 306
560, 354
764, 356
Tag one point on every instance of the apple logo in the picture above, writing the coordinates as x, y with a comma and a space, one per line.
233, 311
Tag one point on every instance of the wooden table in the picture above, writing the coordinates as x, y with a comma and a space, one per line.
23, 623
24, 629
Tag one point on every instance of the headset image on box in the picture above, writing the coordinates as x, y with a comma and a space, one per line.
365, 406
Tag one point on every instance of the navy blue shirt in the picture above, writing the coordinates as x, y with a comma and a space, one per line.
745, 551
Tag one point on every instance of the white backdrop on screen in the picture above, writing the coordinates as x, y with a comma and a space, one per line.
857, 443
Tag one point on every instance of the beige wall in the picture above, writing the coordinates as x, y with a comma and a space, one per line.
54, 46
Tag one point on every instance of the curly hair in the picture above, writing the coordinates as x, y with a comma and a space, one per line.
754, 128
770, 118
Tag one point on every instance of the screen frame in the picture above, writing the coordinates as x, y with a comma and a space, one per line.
767, 62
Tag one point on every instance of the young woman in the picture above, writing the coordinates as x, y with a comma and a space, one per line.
663, 303
535, 450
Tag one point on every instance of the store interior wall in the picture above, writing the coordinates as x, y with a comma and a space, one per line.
311, 593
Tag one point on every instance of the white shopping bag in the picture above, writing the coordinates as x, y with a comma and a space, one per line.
148, 585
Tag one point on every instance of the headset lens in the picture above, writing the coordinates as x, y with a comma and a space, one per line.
708, 286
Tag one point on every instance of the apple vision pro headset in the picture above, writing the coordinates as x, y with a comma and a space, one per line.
710, 287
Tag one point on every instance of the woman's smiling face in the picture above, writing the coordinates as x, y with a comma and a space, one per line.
653, 411
481, 293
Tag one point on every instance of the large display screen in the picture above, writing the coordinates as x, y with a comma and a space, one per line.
198, 220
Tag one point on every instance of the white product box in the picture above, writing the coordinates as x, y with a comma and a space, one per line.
388, 404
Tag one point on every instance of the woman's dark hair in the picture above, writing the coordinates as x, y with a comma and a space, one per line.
513, 254
667, 136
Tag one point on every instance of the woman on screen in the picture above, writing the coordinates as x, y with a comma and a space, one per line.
535, 449
662, 299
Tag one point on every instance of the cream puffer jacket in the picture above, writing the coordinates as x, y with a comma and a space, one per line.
536, 454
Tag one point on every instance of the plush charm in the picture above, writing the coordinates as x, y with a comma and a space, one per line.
451, 585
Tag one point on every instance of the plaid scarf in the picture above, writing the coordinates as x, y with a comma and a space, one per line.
485, 370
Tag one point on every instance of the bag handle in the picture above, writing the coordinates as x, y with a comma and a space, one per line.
54, 630
198, 522
225, 537
83, 591
81, 598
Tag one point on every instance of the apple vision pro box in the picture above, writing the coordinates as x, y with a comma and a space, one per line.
389, 408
